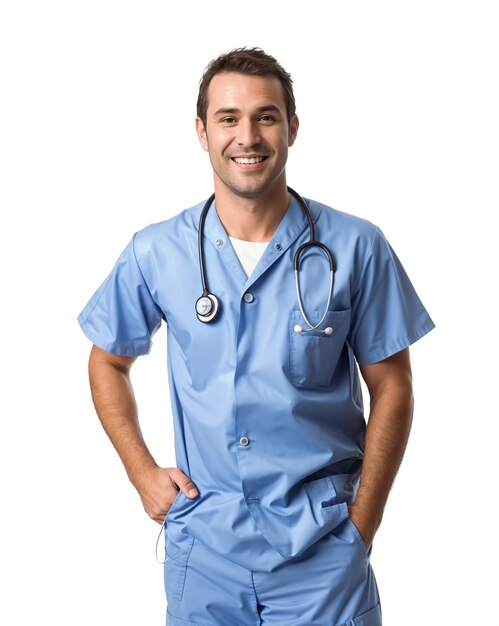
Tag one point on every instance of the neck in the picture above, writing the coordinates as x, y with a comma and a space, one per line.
251, 219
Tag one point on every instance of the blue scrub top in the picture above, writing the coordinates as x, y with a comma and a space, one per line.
295, 397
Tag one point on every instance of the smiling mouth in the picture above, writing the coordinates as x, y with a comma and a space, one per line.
249, 160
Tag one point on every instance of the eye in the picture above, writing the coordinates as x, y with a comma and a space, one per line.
266, 118
228, 120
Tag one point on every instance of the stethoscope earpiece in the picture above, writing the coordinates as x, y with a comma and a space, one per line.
299, 329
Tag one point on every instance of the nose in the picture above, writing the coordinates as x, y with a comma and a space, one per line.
248, 133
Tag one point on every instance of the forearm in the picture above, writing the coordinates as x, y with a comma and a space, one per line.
387, 433
114, 401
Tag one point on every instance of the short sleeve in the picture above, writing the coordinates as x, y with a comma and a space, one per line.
122, 317
387, 314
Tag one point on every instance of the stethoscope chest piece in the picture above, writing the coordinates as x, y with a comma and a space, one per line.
207, 307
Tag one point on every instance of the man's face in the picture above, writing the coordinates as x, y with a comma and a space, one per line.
247, 134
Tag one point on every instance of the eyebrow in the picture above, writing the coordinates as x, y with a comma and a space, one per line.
261, 109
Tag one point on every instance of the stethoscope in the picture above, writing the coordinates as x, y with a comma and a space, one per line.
208, 305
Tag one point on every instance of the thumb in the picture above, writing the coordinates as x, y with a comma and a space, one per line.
188, 487
190, 490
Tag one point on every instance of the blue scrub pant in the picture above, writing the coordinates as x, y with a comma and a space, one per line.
330, 584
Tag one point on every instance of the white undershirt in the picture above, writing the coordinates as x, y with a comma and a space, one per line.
248, 252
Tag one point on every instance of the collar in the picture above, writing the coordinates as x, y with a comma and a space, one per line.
292, 224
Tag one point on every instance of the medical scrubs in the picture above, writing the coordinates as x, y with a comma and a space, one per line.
268, 423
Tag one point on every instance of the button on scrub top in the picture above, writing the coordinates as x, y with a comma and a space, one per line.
268, 423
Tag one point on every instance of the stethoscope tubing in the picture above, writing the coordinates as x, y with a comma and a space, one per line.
296, 264
200, 242
160, 534
211, 301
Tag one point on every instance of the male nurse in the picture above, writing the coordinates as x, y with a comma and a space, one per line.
281, 476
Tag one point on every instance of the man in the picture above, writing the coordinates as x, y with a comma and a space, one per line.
279, 488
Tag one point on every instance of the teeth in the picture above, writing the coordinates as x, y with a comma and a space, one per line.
249, 160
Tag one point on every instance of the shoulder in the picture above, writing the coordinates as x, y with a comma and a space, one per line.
158, 234
352, 230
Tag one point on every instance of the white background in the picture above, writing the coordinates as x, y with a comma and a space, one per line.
398, 104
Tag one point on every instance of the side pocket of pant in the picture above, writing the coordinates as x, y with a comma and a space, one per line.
175, 570
358, 537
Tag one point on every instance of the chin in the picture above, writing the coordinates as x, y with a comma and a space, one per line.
251, 191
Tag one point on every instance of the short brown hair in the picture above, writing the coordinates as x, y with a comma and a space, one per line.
251, 61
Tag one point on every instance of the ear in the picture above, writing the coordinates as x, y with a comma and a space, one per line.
293, 129
201, 133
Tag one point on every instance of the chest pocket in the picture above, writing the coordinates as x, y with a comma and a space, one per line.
313, 356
